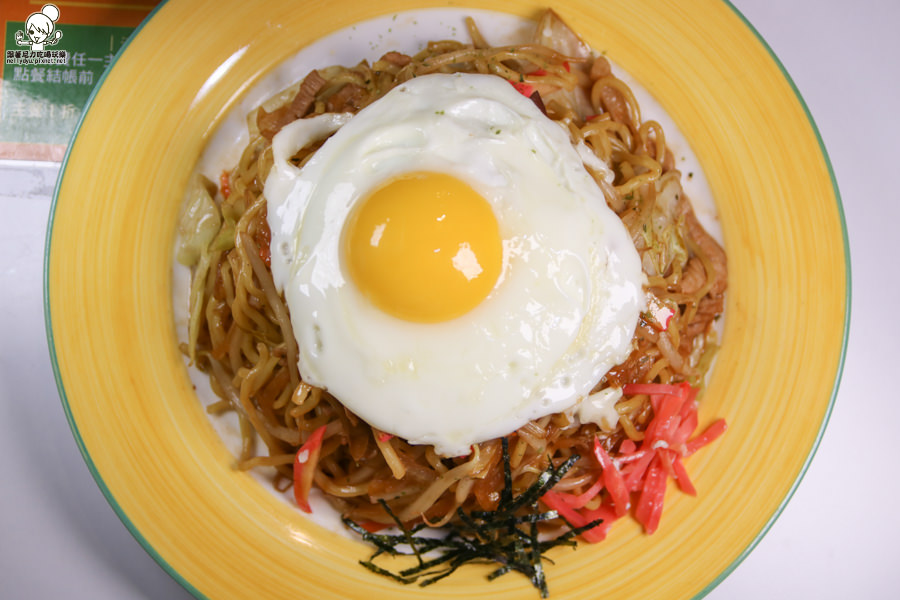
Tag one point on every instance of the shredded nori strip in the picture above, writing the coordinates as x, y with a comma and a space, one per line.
506, 536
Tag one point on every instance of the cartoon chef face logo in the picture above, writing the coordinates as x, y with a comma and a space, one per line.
40, 29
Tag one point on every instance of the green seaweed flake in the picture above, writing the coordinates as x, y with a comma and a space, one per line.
506, 536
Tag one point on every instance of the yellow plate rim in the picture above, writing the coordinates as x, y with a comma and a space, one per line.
187, 585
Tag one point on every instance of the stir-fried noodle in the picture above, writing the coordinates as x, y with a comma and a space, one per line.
240, 332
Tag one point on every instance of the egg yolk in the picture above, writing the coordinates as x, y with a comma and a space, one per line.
425, 247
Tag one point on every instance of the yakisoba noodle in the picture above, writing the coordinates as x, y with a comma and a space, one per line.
241, 335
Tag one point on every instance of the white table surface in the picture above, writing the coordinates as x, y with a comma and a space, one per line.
836, 539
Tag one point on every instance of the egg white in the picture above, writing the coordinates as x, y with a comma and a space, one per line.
561, 315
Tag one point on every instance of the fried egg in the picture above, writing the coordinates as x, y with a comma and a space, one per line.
450, 265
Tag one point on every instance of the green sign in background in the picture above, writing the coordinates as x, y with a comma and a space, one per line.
41, 104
